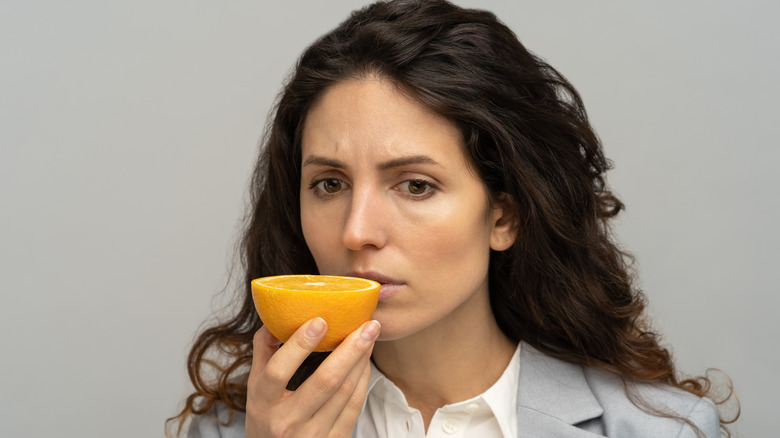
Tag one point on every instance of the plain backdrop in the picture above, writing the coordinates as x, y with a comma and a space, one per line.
128, 130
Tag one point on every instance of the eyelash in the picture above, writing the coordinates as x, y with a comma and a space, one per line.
429, 189
321, 193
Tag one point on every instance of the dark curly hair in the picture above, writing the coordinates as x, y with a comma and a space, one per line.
564, 287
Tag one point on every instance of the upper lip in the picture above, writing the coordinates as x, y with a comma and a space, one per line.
379, 278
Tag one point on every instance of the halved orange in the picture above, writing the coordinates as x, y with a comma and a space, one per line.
285, 302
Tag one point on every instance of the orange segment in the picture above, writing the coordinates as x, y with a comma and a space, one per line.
285, 302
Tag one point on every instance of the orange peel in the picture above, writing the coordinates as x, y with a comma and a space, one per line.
285, 302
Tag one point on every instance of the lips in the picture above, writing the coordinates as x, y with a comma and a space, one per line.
389, 285
379, 278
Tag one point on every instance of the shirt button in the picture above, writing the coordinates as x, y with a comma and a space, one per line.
472, 407
450, 426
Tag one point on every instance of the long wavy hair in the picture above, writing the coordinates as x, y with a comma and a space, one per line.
564, 287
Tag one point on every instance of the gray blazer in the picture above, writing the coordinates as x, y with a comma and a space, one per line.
560, 399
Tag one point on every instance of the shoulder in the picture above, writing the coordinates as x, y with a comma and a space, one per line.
644, 409
217, 423
557, 398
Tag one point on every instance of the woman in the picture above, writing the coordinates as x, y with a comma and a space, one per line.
421, 145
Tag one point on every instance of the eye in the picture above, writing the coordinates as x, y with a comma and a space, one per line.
417, 187
329, 186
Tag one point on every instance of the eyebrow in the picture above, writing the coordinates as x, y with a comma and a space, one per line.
396, 162
323, 161
405, 161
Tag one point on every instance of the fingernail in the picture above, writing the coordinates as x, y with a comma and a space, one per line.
315, 328
370, 331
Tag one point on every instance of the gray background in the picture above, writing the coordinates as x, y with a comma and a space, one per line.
129, 130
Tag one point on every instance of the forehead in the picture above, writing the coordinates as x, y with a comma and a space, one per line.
373, 112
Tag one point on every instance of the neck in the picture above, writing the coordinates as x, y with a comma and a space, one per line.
446, 363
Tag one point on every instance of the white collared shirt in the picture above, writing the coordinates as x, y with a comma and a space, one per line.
386, 414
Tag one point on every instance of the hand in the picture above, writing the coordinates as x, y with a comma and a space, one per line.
328, 403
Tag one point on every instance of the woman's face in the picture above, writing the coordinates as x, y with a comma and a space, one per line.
386, 194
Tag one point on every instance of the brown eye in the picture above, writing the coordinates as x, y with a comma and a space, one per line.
330, 185
417, 187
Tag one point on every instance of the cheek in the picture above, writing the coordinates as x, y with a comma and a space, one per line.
311, 231
318, 232
458, 240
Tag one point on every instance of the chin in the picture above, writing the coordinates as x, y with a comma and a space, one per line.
393, 329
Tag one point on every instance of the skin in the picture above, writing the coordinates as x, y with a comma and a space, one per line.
387, 193
325, 405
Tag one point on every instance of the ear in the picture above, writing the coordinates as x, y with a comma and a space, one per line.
505, 223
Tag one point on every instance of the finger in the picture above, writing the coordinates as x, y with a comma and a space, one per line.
282, 365
324, 383
264, 345
345, 423
348, 396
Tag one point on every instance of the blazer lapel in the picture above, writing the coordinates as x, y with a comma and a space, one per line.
552, 397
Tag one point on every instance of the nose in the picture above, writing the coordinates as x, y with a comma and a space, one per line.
365, 225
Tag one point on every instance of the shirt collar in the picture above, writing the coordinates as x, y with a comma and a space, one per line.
383, 388
502, 396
